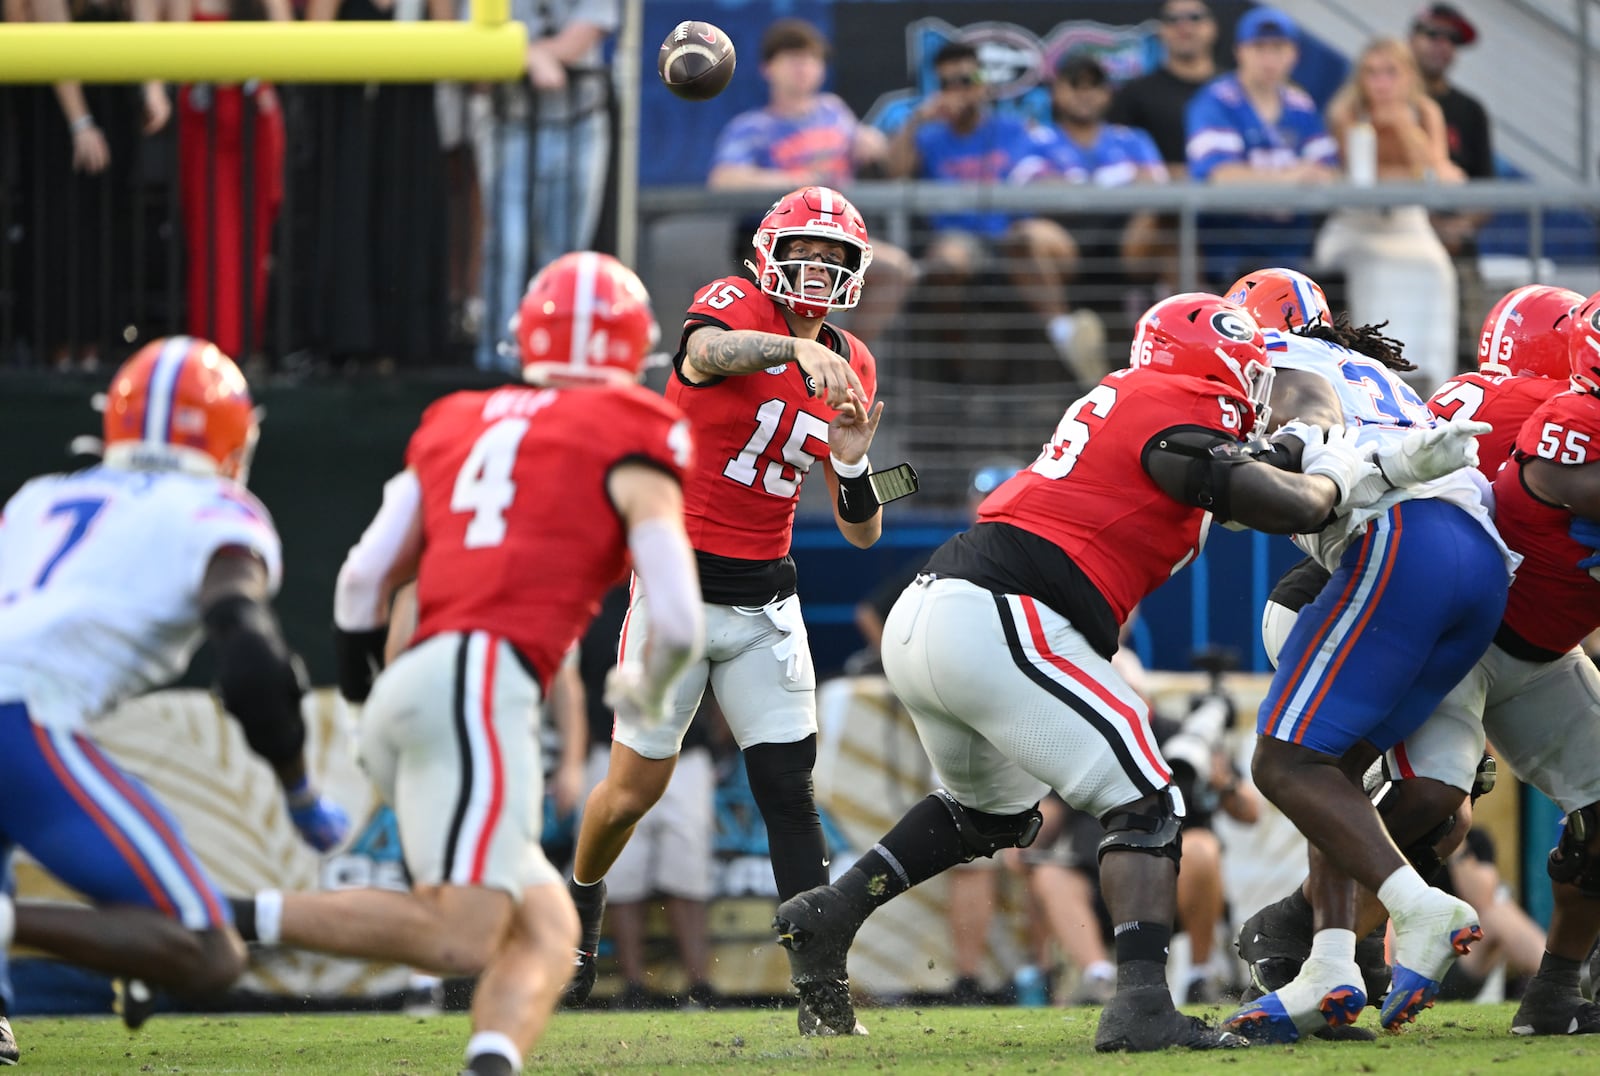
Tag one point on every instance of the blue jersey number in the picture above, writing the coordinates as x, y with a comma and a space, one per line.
1392, 398
83, 513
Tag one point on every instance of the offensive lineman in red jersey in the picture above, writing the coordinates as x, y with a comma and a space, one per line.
771, 389
1001, 649
1522, 362
518, 508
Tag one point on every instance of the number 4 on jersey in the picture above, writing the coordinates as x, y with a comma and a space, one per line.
484, 486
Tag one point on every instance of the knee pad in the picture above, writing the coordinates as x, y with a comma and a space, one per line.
1159, 833
1572, 862
780, 781
984, 834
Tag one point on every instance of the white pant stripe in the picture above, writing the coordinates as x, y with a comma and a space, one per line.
1342, 629
146, 841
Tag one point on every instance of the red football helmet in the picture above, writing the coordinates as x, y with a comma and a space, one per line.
180, 404
816, 213
1281, 299
584, 318
1583, 346
1526, 332
1206, 336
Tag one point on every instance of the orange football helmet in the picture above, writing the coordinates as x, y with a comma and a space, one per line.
1281, 299
181, 404
585, 318
1526, 332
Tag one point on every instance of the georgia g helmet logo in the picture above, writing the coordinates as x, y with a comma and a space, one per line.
1231, 325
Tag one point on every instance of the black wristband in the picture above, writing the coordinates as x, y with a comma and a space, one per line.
857, 503
359, 657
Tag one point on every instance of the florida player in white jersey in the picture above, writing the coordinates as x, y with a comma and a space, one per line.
110, 579
773, 390
1523, 354
1419, 583
1001, 649
518, 508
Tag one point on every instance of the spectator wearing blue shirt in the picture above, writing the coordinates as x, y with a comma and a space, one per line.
804, 137
1254, 126
955, 136
1081, 147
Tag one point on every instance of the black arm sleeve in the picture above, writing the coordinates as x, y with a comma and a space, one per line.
259, 678
1194, 465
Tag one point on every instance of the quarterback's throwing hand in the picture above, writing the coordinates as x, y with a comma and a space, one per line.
832, 379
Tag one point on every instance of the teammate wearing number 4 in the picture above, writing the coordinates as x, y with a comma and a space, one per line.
518, 508
1001, 649
772, 389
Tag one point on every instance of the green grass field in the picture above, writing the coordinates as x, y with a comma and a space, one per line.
1458, 1039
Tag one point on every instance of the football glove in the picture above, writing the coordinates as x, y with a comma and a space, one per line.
626, 695
1334, 454
1432, 452
321, 822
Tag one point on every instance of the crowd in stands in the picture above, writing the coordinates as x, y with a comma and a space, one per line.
499, 180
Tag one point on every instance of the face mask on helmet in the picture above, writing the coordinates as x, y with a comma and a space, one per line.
180, 404
819, 214
1583, 346
1527, 331
585, 319
1281, 299
1205, 336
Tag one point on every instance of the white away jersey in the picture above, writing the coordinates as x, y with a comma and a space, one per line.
1381, 409
100, 576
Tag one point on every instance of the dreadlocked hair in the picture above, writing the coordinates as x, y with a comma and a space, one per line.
1365, 340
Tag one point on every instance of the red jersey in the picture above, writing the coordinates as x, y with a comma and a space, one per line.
1553, 603
520, 537
1089, 493
756, 435
1504, 402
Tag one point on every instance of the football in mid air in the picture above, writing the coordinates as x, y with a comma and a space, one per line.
696, 61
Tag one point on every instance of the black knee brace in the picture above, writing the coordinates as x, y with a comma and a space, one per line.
1572, 862
984, 834
1157, 834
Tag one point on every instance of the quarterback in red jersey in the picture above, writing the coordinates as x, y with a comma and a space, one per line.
771, 389
1001, 648
518, 508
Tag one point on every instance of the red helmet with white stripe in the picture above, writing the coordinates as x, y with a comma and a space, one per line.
1281, 299
180, 404
1205, 336
814, 213
1526, 332
585, 318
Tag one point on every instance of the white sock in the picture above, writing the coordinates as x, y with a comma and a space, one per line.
1335, 945
494, 1042
1060, 328
8, 921
269, 916
1402, 891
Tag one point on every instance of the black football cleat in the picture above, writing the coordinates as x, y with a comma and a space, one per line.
591, 904
1143, 1019
133, 1000
817, 927
1547, 1011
